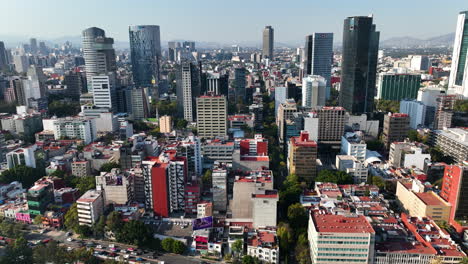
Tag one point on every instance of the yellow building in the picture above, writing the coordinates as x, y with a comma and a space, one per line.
422, 204
302, 157
165, 124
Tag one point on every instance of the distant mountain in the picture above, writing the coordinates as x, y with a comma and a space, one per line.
410, 42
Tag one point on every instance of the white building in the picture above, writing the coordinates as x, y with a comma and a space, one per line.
458, 80
22, 156
264, 208
90, 207
21, 63
357, 169
420, 63
407, 155
105, 120
74, 127
429, 95
353, 145
117, 187
314, 90
369, 127
104, 91
416, 110
264, 245
340, 239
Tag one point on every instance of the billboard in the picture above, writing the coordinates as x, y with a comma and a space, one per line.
202, 223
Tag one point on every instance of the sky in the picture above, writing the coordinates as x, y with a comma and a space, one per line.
222, 21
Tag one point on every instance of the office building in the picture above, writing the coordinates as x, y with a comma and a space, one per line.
318, 57
416, 202
395, 128
359, 64
357, 169
145, 54
285, 112
264, 208
416, 110
219, 178
33, 46
165, 124
190, 148
3, 56
339, 238
452, 142
325, 124
281, 94
420, 63
212, 116
302, 157
352, 144
240, 84
408, 155
397, 87
117, 186
165, 179
21, 63
455, 191
313, 91
90, 207
173, 48
98, 53
75, 128
140, 104
188, 88
268, 42
75, 84
217, 150
458, 80
22, 125
444, 111
104, 91
21, 157
81, 168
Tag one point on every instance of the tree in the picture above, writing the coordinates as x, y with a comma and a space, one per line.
84, 184
377, 181
50, 253
18, 253
37, 220
114, 221
26, 175
297, 216
135, 233
84, 255
107, 167
413, 135
461, 106
181, 124
178, 247
285, 239
302, 249
84, 230
237, 247
99, 228
11, 229
387, 106
167, 244
250, 260
207, 178
375, 145
338, 177
71, 218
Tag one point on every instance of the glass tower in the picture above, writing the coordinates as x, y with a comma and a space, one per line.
359, 65
459, 71
318, 56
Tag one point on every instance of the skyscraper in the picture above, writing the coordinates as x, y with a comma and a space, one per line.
98, 53
188, 88
359, 65
459, 72
313, 91
33, 45
318, 57
3, 56
268, 38
104, 91
145, 53
212, 116
173, 48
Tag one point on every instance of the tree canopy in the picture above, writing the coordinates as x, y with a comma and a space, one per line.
26, 175
338, 177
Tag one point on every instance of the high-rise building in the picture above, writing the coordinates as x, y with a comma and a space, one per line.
395, 128
219, 179
165, 178
22, 156
173, 49
217, 83
189, 46
212, 116
348, 238
21, 63
420, 63
281, 94
35, 85
455, 190
359, 65
33, 45
165, 124
76, 128
240, 84
104, 91
98, 53
285, 113
314, 89
74, 82
90, 207
145, 53
3, 56
416, 110
397, 87
268, 40
459, 73
188, 88
302, 157
452, 142
444, 111
140, 104
318, 57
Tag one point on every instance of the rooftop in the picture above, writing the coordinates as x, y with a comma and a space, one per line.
341, 224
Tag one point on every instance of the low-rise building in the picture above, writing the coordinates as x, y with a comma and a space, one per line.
116, 186
408, 155
81, 168
264, 245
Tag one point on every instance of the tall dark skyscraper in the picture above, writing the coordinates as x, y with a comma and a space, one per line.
33, 45
3, 56
268, 39
359, 65
145, 53
318, 56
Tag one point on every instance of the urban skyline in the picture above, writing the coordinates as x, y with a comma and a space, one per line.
326, 18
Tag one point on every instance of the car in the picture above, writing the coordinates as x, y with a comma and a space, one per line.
42, 231
69, 248
68, 233
139, 259
131, 249
123, 251
126, 256
99, 246
111, 245
70, 239
134, 253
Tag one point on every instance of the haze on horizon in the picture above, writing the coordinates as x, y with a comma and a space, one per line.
230, 22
